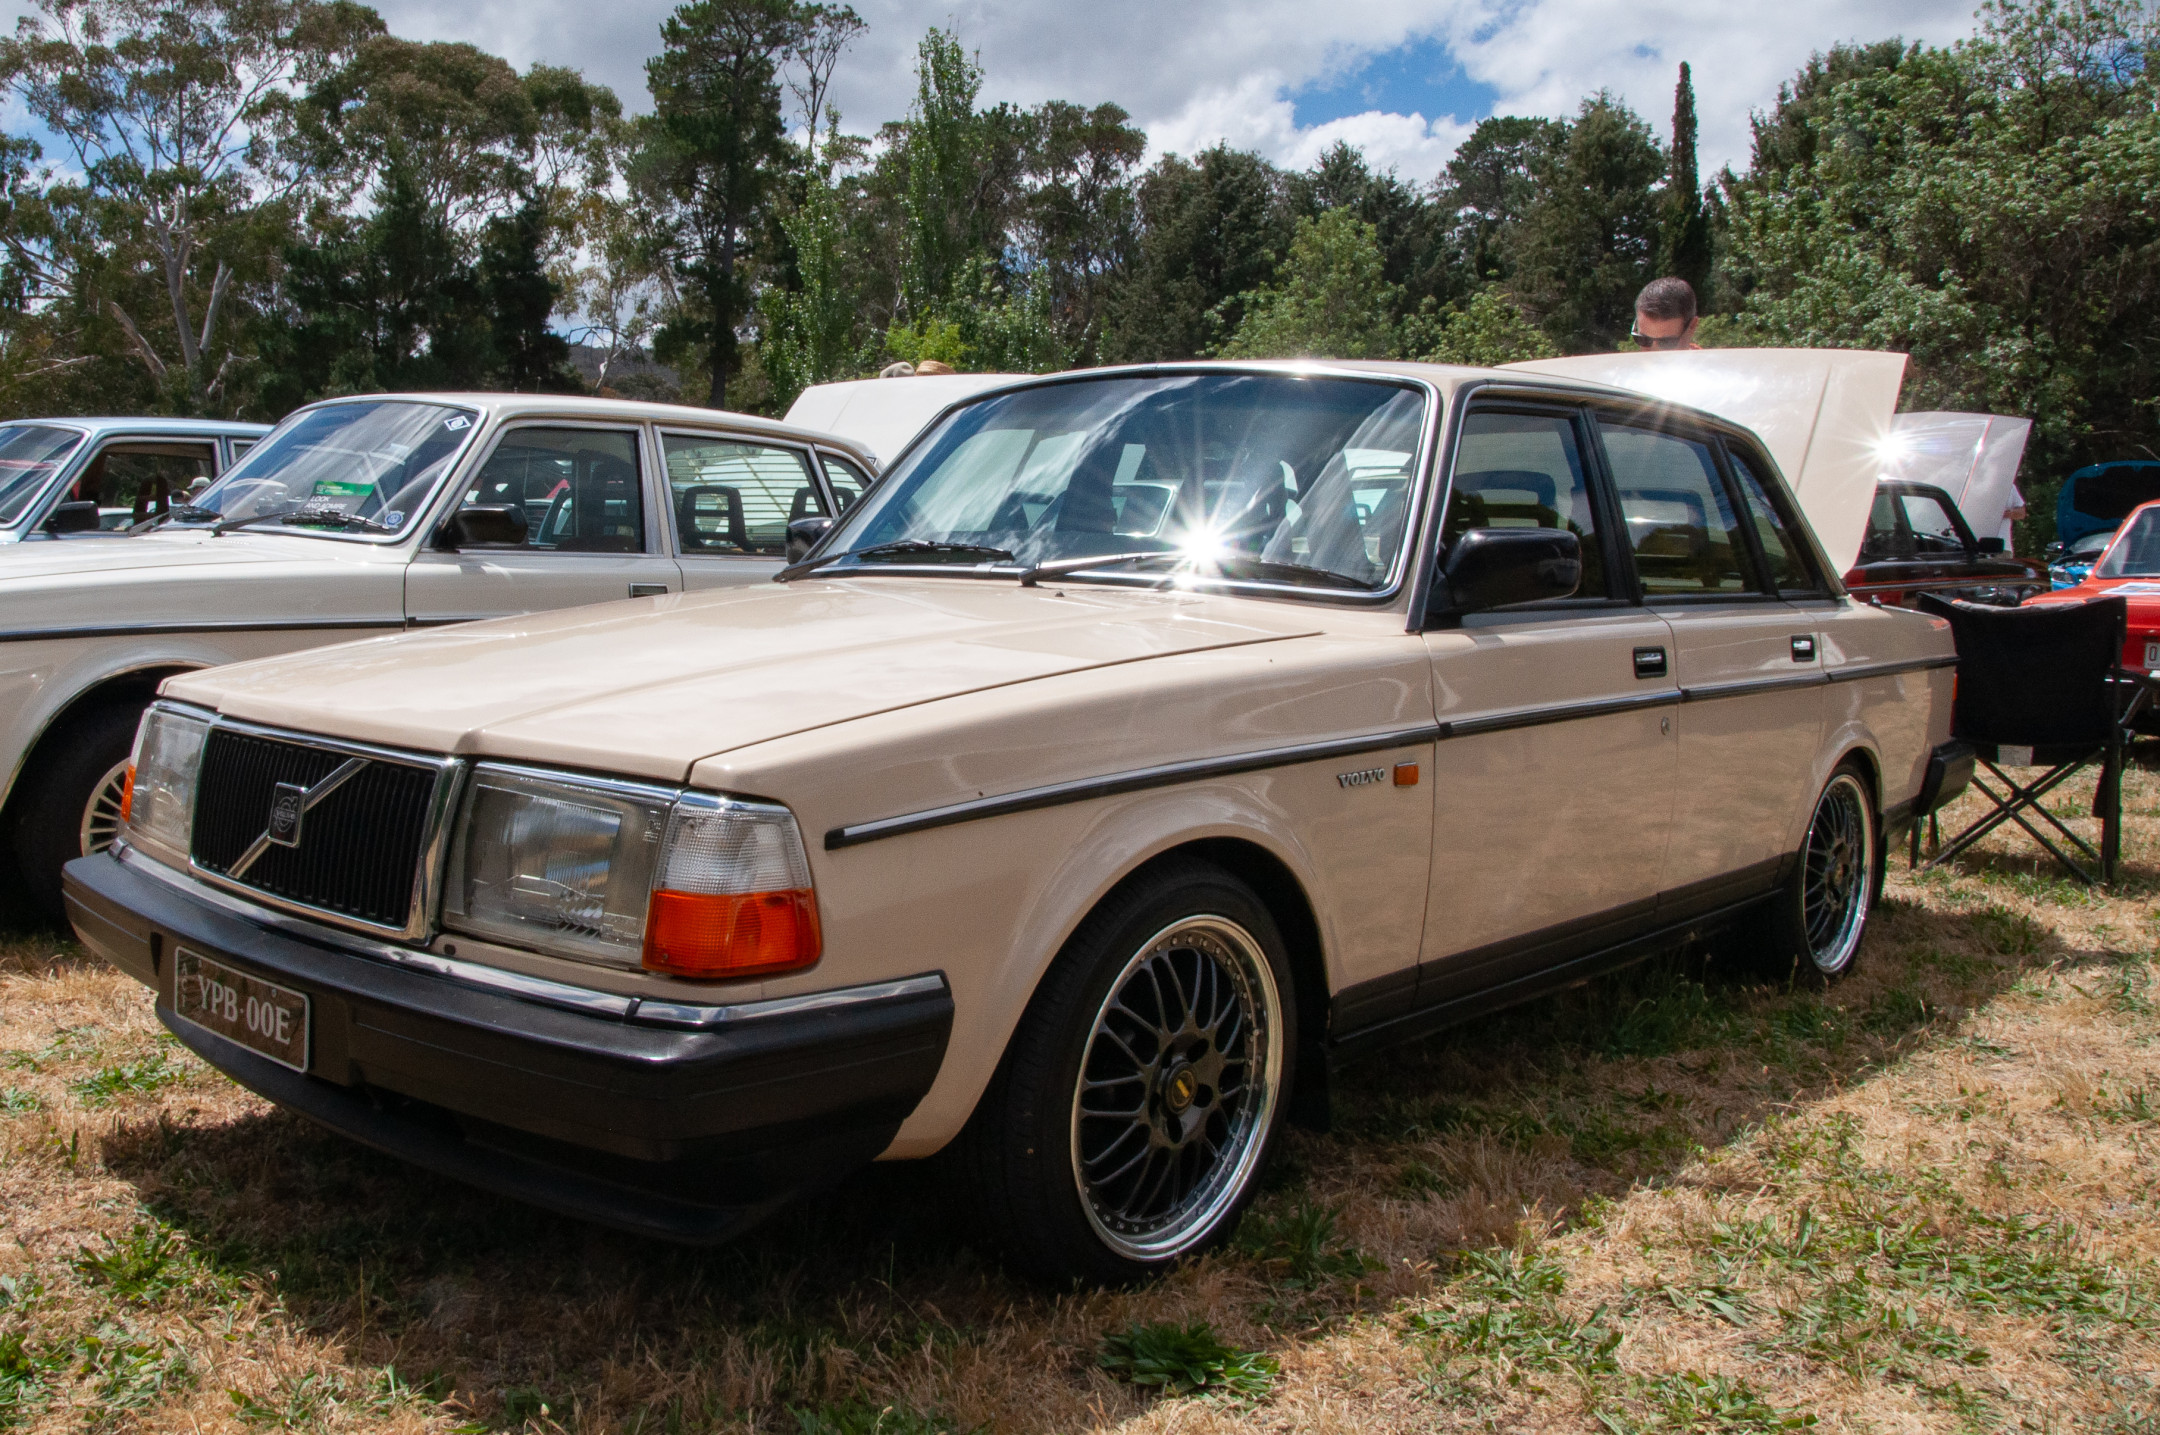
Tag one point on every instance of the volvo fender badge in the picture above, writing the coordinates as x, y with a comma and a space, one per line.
1363, 777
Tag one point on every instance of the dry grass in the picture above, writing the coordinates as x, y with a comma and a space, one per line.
1677, 1199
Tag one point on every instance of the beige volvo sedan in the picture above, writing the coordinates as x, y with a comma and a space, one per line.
1144, 743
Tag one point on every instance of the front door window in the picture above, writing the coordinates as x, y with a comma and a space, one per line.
578, 488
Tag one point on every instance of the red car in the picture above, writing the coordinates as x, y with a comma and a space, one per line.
2131, 569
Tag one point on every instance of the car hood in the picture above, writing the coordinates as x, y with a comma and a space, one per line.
650, 686
179, 577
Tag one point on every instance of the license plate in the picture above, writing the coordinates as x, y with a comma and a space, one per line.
267, 1019
2152, 654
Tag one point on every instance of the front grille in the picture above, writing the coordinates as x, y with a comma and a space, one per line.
359, 848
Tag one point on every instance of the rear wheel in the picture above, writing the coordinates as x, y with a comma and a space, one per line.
69, 802
1822, 913
1129, 1122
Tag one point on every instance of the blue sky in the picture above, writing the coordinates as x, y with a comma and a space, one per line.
1402, 79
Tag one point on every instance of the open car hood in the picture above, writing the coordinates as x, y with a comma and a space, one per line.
1972, 457
884, 415
1824, 414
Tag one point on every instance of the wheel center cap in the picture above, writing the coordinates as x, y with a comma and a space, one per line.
1180, 1089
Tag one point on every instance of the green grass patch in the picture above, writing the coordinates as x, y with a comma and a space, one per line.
1301, 1247
143, 1267
1188, 1360
129, 1078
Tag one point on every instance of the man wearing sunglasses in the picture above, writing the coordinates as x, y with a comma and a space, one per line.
1665, 315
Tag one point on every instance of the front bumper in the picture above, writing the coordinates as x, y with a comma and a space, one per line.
689, 1125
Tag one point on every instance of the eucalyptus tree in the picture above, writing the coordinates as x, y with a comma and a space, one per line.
175, 118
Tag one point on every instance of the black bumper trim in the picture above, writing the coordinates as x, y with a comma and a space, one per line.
666, 1130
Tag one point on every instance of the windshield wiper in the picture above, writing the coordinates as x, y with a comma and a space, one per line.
307, 517
1259, 568
903, 548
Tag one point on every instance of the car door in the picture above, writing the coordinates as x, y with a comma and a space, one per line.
730, 499
588, 536
1556, 768
1748, 660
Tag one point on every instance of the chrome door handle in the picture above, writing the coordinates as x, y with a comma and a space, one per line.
647, 590
1803, 647
1649, 662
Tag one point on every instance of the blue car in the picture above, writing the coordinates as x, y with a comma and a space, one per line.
2099, 496
2069, 564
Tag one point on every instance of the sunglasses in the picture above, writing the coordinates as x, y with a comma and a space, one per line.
1652, 341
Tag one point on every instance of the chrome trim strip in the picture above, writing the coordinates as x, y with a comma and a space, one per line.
1744, 686
248, 625
1081, 789
1564, 712
539, 990
685, 1014
1890, 669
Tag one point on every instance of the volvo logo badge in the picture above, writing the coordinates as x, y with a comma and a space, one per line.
289, 804
1363, 777
286, 807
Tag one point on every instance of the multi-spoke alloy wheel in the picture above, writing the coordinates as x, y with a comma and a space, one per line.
1132, 1113
1177, 1088
101, 814
1824, 912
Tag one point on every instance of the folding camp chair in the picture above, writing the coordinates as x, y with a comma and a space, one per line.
2043, 687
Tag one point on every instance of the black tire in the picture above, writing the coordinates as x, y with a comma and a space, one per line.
70, 771
1205, 1118
1815, 927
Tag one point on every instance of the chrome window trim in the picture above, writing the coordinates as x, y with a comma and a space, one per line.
435, 833
542, 991
1414, 519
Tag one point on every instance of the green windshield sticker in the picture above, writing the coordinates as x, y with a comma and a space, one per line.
339, 488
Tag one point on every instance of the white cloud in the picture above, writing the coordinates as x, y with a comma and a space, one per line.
1194, 71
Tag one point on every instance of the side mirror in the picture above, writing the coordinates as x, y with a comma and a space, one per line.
79, 517
1494, 567
482, 523
803, 535
1992, 545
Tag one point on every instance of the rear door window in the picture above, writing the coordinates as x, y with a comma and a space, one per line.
1525, 470
847, 478
734, 496
1782, 555
579, 488
1680, 521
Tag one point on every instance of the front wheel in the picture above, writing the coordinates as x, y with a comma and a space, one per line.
68, 805
1129, 1122
1822, 913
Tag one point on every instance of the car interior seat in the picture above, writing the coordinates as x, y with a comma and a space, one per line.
709, 517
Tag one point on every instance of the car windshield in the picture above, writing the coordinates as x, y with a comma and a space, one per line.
2136, 553
369, 466
30, 454
1274, 478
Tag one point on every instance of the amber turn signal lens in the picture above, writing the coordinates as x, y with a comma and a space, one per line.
127, 794
695, 934
1406, 774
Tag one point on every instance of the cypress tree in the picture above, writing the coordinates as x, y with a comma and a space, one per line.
1684, 241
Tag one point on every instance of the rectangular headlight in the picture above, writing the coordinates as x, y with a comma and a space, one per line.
630, 875
158, 813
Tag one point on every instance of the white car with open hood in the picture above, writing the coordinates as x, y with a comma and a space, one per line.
1145, 742
368, 515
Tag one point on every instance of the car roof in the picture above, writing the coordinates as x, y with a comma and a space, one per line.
584, 406
148, 423
1820, 413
